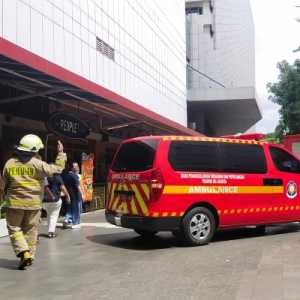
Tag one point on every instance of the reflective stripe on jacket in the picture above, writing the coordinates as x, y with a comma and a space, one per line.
24, 181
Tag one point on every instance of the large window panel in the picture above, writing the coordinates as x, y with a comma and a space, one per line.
242, 158
283, 161
194, 156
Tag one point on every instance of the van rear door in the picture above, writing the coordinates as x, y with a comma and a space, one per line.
128, 189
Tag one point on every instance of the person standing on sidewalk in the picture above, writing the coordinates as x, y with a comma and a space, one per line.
52, 202
24, 175
72, 182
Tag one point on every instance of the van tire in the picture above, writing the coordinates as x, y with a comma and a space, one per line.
198, 226
145, 233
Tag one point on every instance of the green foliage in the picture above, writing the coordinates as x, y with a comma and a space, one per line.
286, 93
272, 138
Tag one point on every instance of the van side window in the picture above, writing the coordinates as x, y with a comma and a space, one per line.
283, 161
242, 158
194, 156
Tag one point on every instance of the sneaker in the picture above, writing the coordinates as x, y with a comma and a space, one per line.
51, 235
77, 226
26, 260
66, 224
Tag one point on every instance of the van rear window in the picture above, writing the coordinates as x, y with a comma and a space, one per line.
135, 156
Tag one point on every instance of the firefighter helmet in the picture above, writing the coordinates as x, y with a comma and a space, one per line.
30, 143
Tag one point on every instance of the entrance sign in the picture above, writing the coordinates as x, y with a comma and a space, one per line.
67, 126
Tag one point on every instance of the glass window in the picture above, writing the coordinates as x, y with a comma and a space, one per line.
194, 156
194, 10
296, 148
242, 158
283, 161
135, 156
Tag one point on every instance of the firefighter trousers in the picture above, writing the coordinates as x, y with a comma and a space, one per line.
22, 227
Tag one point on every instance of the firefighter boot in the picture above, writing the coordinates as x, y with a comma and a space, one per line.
26, 260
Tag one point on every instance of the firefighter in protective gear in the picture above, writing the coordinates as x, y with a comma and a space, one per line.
24, 177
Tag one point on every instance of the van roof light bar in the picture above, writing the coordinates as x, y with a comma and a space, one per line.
247, 136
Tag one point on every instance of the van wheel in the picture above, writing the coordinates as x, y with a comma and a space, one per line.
146, 233
260, 229
198, 226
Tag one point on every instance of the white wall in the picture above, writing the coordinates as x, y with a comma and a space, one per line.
148, 37
228, 56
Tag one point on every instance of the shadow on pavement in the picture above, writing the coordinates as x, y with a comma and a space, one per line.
129, 242
126, 240
8, 264
246, 232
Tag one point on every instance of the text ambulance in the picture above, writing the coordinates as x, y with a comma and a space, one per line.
195, 185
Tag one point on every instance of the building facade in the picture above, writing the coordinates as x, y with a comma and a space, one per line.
221, 66
117, 66
130, 47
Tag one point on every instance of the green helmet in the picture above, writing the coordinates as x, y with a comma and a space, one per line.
30, 143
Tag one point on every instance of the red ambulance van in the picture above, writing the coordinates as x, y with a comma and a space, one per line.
193, 186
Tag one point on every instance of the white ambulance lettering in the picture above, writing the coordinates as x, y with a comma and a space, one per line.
212, 176
129, 177
213, 190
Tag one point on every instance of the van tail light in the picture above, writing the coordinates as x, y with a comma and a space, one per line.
156, 184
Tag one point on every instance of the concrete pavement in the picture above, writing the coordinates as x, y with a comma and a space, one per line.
99, 261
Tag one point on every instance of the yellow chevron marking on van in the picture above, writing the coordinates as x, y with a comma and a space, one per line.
116, 199
132, 203
140, 200
112, 195
155, 214
146, 190
115, 202
165, 214
133, 207
173, 214
187, 189
122, 208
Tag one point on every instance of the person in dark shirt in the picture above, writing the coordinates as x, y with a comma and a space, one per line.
72, 182
52, 202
